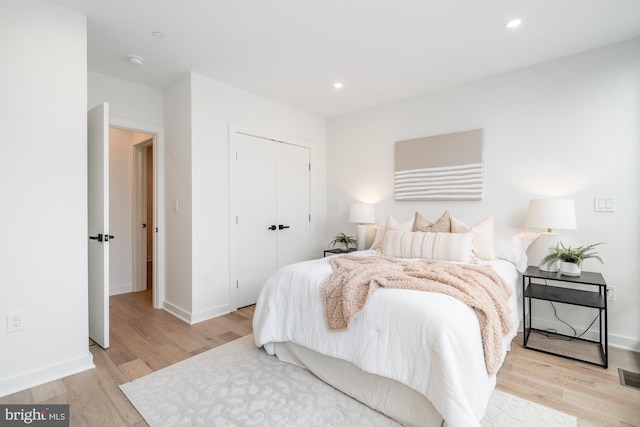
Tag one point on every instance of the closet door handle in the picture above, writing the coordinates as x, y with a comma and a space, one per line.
282, 227
273, 227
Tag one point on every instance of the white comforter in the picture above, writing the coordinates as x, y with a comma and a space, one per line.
430, 342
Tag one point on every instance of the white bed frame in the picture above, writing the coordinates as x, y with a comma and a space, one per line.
388, 396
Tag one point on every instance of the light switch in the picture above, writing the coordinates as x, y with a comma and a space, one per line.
604, 204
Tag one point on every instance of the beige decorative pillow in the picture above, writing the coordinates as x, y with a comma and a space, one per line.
435, 246
482, 234
442, 224
390, 225
421, 223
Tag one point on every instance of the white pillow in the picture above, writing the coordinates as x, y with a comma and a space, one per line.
391, 225
511, 245
482, 237
436, 246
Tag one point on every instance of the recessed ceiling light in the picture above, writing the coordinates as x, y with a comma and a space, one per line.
135, 59
159, 35
514, 23
338, 85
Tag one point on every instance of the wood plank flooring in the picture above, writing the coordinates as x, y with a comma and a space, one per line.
144, 340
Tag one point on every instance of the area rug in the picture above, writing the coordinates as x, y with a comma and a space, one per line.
238, 384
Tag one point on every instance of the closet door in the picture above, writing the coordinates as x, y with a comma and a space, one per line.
271, 194
293, 204
256, 204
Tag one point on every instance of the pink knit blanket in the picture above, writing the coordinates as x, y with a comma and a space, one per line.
354, 279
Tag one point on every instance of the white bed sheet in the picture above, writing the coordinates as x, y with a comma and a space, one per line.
430, 342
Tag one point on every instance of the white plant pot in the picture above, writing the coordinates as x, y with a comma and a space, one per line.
569, 269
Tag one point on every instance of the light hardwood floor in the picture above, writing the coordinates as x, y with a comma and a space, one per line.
145, 340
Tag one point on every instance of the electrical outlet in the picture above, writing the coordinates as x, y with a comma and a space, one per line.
611, 293
15, 321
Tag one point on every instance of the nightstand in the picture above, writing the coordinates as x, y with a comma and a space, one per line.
581, 349
338, 251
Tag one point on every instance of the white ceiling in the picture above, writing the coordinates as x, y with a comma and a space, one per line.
292, 51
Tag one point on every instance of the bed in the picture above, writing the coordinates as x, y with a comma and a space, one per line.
415, 356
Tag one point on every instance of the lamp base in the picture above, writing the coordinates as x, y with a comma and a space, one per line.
542, 246
362, 237
550, 267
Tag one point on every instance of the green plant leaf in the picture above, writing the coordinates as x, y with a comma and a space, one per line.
574, 255
344, 239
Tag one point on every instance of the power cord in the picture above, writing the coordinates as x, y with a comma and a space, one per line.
547, 332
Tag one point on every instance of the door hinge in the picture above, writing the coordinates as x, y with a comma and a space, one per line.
309, 166
236, 219
236, 155
236, 284
309, 217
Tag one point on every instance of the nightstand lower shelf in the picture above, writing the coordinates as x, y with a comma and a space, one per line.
566, 346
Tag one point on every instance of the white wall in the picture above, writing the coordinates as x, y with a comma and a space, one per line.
565, 128
126, 100
43, 182
178, 175
204, 165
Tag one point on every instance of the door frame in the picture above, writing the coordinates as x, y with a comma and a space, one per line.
158, 200
234, 246
139, 215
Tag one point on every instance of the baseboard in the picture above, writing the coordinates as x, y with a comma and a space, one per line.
123, 289
193, 318
177, 312
50, 373
210, 313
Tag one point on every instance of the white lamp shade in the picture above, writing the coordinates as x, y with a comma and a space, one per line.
551, 213
362, 213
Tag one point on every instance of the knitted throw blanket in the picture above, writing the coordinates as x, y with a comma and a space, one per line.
354, 279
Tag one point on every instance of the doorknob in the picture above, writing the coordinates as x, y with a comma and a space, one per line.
108, 236
273, 227
282, 227
98, 237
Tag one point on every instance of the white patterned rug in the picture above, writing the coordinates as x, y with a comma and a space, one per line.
238, 384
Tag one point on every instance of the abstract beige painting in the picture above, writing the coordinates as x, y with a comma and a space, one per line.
440, 167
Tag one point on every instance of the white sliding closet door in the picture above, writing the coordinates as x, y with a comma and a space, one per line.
270, 191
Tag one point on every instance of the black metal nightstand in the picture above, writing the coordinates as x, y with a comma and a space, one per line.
338, 251
565, 295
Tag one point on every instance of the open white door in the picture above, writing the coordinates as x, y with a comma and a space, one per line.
98, 194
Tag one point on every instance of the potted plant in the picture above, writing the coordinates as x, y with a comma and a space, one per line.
344, 240
571, 258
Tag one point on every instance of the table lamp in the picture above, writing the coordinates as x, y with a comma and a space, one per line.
551, 214
362, 214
